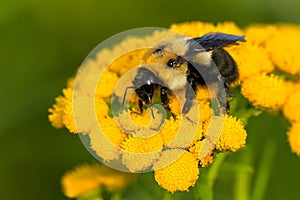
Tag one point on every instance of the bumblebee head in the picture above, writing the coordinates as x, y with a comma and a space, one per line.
170, 54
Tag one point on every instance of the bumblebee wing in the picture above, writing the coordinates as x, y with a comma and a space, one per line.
210, 41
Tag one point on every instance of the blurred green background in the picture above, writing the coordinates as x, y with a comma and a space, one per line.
43, 42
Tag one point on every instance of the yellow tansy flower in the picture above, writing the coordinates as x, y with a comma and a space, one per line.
127, 61
173, 148
228, 134
206, 160
260, 34
106, 84
233, 135
196, 149
57, 112
81, 114
101, 108
74, 122
79, 181
103, 147
247, 66
87, 78
205, 110
202, 93
112, 131
193, 29
169, 130
140, 153
106, 140
68, 117
204, 106
183, 137
138, 119
228, 27
141, 124
292, 107
86, 178
284, 48
294, 137
292, 87
197, 29
175, 105
266, 91
176, 174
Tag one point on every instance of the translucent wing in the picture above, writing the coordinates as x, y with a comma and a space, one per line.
214, 40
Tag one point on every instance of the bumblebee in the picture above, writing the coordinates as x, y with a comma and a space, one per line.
185, 64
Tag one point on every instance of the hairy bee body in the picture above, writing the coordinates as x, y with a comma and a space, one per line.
190, 66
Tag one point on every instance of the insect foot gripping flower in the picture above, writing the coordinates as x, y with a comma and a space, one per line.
87, 180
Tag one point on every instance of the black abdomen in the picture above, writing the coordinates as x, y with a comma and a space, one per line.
226, 65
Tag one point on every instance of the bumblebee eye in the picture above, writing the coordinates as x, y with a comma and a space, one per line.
170, 63
156, 51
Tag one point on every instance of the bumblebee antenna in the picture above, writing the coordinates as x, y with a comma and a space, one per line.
125, 93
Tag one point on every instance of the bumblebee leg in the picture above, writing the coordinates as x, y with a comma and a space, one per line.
125, 93
145, 94
150, 103
165, 100
187, 106
189, 96
141, 106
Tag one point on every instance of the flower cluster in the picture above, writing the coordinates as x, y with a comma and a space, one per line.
177, 148
87, 180
268, 65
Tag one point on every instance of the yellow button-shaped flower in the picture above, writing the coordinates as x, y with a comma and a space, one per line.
176, 174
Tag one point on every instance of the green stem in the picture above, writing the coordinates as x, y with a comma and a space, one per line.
244, 174
242, 185
215, 168
167, 196
264, 170
116, 196
204, 188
